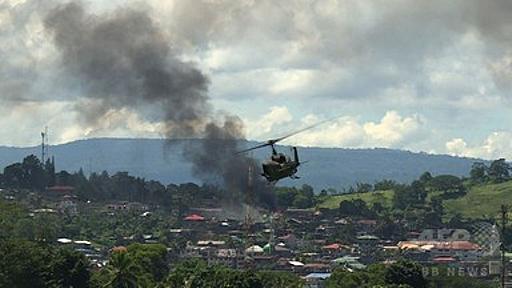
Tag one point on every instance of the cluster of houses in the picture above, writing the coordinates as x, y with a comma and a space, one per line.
95, 255
307, 242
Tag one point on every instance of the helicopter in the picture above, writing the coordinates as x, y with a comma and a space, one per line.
279, 165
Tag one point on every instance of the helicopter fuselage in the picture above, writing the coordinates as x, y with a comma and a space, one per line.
279, 166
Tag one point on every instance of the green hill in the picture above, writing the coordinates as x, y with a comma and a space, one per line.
481, 201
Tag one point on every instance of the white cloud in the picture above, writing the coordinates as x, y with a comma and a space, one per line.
22, 123
457, 146
366, 57
291, 80
123, 123
393, 130
345, 132
496, 145
277, 115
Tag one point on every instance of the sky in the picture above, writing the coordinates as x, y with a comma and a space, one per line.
432, 76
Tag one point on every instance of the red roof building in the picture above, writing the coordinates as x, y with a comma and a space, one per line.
441, 245
59, 191
334, 246
194, 218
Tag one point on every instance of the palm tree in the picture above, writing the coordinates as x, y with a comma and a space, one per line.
122, 270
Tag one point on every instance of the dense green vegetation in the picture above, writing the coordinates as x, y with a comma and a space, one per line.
402, 274
31, 264
333, 201
476, 197
481, 201
294, 197
31, 175
156, 159
33, 260
30, 258
196, 273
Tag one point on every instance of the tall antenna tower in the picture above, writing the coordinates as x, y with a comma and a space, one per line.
249, 199
248, 221
44, 145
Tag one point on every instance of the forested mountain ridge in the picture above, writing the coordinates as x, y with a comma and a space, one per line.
162, 160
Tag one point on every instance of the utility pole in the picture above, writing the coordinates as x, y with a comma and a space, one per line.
504, 212
42, 147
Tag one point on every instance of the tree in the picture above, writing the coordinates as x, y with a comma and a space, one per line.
445, 183
425, 178
70, 269
499, 170
14, 177
22, 264
478, 173
304, 198
378, 208
196, 273
388, 229
34, 174
302, 202
363, 187
184, 271
28, 264
151, 258
293, 197
277, 279
123, 273
344, 279
307, 190
323, 193
407, 195
434, 217
385, 185
405, 272
452, 186
356, 207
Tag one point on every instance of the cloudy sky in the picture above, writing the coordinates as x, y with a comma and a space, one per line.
433, 76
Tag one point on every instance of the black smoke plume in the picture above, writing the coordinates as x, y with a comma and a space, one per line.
123, 60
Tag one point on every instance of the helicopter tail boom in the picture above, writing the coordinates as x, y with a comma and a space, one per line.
296, 155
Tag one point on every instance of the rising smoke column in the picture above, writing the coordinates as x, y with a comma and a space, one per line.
217, 156
122, 60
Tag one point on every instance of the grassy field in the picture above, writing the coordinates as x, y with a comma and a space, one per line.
481, 201
384, 197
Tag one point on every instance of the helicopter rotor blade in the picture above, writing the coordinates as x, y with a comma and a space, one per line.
274, 141
254, 148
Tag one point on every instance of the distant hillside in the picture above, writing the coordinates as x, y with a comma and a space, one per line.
161, 160
481, 201
383, 197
